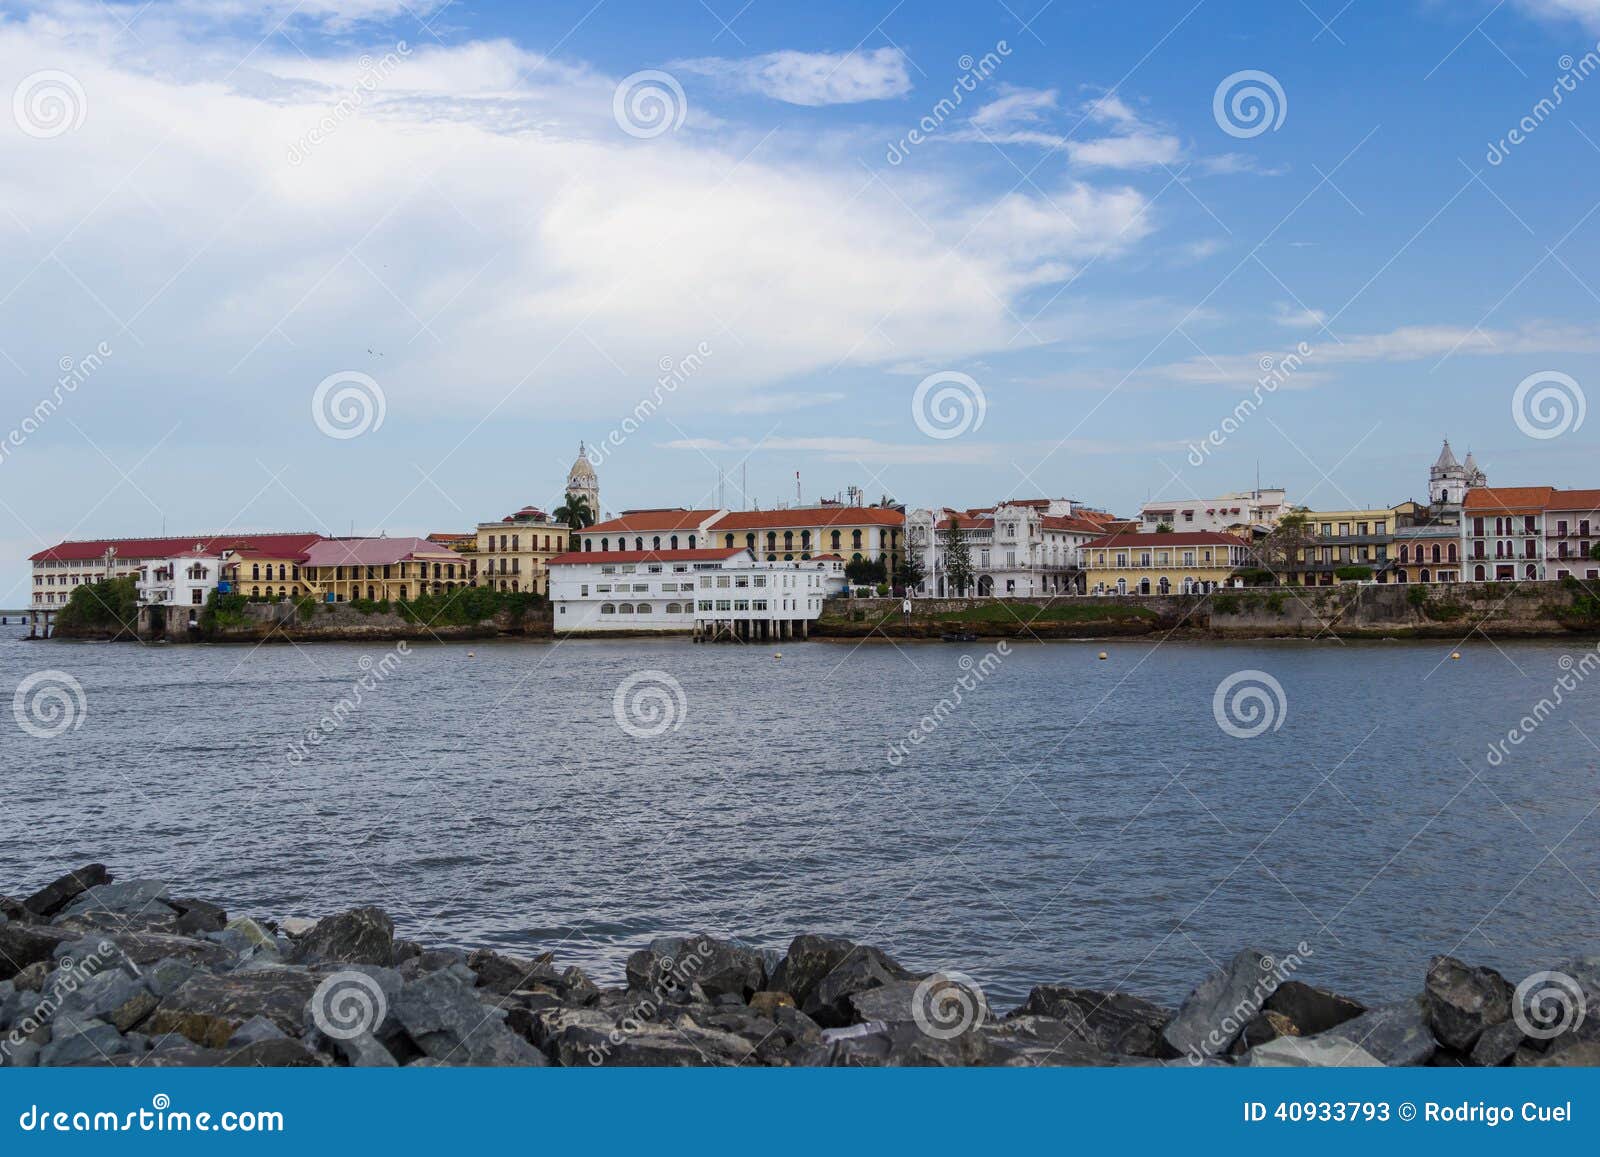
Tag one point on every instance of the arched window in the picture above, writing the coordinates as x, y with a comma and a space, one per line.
788, 540
1451, 552
514, 586
372, 594
625, 609
674, 608
588, 544
1424, 576
1478, 573
750, 541
834, 541
644, 608
255, 592
1405, 553
691, 542
605, 544
655, 543
283, 572
255, 570
772, 540
608, 608
805, 540
1436, 552
730, 540
674, 542
1531, 571
855, 539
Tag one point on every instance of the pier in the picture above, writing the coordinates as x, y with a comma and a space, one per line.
38, 620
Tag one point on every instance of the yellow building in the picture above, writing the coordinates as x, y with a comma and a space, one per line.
1347, 540
1128, 563
379, 569
797, 533
514, 553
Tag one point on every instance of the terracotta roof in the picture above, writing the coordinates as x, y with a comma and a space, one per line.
374, 551
827, 558
1519, 498
969, 521
1176, 538
642, 521
92, 550
448, 536
1575, 500
593, 557
807, 516
1063, 522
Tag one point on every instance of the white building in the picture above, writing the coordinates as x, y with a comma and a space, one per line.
1017, 549
1252, 509
184, 581
707, 592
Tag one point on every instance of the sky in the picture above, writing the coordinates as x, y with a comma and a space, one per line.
368, 265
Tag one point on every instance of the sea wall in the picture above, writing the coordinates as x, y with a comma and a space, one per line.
340, 622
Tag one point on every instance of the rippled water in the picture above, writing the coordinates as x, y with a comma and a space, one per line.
1071, 820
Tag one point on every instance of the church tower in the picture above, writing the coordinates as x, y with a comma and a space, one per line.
582, 480
1449, 480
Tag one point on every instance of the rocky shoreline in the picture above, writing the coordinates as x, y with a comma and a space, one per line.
94, 971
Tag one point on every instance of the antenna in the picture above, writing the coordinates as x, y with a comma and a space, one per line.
798, 501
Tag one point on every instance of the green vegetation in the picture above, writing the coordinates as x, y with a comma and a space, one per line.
370, 606
467, 606
108, 605
1444, 612
958, 572
1257, 576
574, 511
1082, 611
1417, 596
1163, 528
866, 572
1274, 603
223, 612
1353, 574
1225, 604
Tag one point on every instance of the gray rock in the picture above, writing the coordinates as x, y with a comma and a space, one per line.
210, 1009
671, 963
783, 1037
1498, 1044
112, 996
257, 1028
1397, 1034
363, 1052
25, 944
1317, 1052
1462, 1001
295, 927
1034, 1041
590, 1038
197, 916
33, 977
447, 1023
57, 894
1310, 1009
74, 1041
1216, 1012
1584, 1054
906, 1046
942, 1005
19, 1055
823, 972
1113, 1022
165, 976
130, 898
146, 948
359, 936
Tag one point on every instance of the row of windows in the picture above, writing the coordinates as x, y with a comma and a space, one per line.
835, 541
1447, 554
552, 542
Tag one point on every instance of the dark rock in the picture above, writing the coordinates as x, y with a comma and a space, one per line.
197, 916
591, 1038
447, 1023
130, 898
257, 1028
777, 1039
1032, 1041
96, 922
405, 950
113, 996
822, 972
145, 948
1312, 1010
363, 1052
1263, 1027
941, 1003
57, 894
359, 936
33, 977
75, 1041
1217, 1010
1498, 1044
1585, 1054
1462, 1001
165, 976
210, 1009
1113, 1022
906, 1046
718, 967
767, 1003
22, 1055
283, 1052
506, 974
25, 944
1396, 1034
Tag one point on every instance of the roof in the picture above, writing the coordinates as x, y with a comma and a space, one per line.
1447, 460
827, 558
374, 551
445, 537
1063, 522
642, 521
1575, 500
1176, 538
595, 557
807, 516
1519, 498
91, 550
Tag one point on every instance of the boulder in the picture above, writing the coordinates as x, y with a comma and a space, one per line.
363, 1052
146, 948
785, 1037
22, 1055
111, 996
1312, 1010
905, 1045
57, 894
75, 1041
510, 974
210, 1009
1498, 1044
282, 1052
1584, 1054
941, 1004
33, 977
1217, 1010
25, 944
164, 976
823, 972
1113, 1022
446, 1022
1265, 1026
130, 898
359, 936
1317, 1052
1397, 1034
295, 927
1034, 1041
1462, 1001
250, 933
197, 916
768, 1003
717, 966
257, 1028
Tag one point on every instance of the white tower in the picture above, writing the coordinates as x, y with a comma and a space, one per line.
1448, 479
582, 481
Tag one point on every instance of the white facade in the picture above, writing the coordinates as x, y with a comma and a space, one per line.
184, 581
679, 592
1252, 508
1018, 550
53, 580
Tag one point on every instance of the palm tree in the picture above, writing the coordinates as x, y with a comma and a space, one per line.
575, 512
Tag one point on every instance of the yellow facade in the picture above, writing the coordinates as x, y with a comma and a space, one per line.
424, 573
264, 576
515, 554
1346, 538
1145, 564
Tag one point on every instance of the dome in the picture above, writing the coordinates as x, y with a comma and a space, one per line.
581, 468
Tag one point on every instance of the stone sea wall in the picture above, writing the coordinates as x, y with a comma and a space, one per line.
94, 971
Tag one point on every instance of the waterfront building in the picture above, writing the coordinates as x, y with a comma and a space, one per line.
1018, 549
662, 528
513, 554
1241, 511
1347, 540
57, 570
339, 570
183, 582
1503, 532
272, 573
1427, 552
1572, 529
705, 591
789, 534
1176, 562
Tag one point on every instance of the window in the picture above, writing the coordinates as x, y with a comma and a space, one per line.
705, 605
644, 608
608, 608
625, 609
674, 608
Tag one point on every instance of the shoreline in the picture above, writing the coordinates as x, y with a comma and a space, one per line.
99, 972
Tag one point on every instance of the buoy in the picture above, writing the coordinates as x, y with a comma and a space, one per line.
777, 654
1455, 654
1102, 654
472, 654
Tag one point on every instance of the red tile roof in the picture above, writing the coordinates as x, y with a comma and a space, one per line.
374, 551
593, 557
807, 516
1519, 498
1078, 525
92, 550
643, 521
1575, 500
1176, 538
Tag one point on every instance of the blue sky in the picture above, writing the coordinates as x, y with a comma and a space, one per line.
238, 202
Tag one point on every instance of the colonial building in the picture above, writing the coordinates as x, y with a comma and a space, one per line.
1176, 562
583, 482
1349, 541
512, 554
1246, 510
1503, 532
718, 591
70, 564
1427, 552
1017, 549
339, 570
1449, 480
258, 573
184, 581
668, 528
1572, 529
794, 533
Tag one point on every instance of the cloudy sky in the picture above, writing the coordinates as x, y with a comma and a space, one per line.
382, 264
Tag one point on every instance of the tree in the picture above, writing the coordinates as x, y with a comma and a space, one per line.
912, 570
957, 559
1163, 528
866, 572
574, 511
1280, 551
1594, 551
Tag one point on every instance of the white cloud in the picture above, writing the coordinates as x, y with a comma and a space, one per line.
1023, 116
810, 78
1294, 317
1015, 106
1585, 12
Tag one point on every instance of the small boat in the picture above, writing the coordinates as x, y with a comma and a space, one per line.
959, 637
